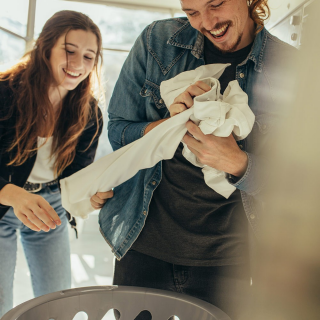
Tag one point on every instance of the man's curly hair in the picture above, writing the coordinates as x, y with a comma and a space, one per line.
259, 12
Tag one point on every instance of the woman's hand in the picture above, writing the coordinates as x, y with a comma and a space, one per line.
185, 99
100, 198
31, 209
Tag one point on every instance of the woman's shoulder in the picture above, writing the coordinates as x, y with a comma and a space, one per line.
95, 115
6, 96
5, 89
95, 108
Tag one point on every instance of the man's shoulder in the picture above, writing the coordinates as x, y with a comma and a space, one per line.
278, 49
169, 28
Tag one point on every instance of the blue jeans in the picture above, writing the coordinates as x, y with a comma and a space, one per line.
226, 287
47, 253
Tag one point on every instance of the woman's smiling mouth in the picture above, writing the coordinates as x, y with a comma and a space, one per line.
72, 74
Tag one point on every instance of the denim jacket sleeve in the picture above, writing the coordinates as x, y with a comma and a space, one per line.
127, 116
249, 182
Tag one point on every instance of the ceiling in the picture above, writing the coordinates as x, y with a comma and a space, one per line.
279, 8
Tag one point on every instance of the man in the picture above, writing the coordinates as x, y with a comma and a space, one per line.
194, 241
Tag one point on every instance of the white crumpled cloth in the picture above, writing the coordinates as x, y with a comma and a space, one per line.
214, 113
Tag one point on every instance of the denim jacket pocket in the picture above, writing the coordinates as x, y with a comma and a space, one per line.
262, 130
152, 90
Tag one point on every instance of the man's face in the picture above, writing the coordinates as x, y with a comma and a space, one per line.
226, 23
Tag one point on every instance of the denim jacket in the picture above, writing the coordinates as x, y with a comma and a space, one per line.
163, 50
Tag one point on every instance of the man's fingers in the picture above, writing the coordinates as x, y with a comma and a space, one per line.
176, 109
184, 98
195, 91
96, 205
99, 199
202, 85
105, 195
195, 131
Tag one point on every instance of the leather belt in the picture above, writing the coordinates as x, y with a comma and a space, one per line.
36, 187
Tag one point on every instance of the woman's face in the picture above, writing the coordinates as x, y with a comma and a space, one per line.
72, 58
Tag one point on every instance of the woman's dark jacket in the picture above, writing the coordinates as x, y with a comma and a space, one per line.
18, 175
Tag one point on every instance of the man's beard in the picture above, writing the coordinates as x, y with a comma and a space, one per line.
233, 47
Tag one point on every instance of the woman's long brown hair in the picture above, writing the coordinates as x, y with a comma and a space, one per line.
259, 12
30, 81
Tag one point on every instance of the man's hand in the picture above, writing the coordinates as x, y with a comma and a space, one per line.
31, 209
100, 198
184, 100
221, 153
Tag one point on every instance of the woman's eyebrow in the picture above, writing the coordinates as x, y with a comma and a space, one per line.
74, 45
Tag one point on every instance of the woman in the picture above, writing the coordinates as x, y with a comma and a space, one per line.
49, 129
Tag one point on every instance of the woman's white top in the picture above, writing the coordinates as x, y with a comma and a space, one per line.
43, 168
213, 113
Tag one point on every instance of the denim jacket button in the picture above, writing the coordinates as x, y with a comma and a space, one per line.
241, 75
252, 216
241, 146
144, 212
161, 101
153, 183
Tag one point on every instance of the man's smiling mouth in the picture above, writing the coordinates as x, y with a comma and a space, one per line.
220, 32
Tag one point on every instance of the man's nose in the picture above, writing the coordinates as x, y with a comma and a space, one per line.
208, 21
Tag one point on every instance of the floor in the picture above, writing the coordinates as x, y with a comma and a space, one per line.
91, 262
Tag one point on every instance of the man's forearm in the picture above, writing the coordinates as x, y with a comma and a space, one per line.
153, 125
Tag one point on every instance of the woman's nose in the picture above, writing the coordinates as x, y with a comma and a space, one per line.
75, 62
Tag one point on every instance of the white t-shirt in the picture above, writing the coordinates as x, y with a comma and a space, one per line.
43, 168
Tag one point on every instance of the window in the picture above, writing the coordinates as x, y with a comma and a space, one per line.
11, 49
12, 19
12, 41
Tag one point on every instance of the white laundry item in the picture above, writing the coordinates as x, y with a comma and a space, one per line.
159, 144
215, 114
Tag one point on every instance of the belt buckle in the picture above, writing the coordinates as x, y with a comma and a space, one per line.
30, 187
37, 189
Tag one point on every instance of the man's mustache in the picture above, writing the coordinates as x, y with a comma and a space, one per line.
219, 25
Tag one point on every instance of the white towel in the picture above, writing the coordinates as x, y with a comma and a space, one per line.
162, 141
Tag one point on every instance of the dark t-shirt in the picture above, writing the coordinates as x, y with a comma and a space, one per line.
188, 222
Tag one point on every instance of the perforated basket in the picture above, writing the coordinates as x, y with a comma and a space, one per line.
129, 301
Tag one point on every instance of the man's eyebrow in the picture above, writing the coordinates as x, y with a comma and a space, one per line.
187, 9
71, 44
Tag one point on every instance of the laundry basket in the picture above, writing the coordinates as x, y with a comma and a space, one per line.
129, 301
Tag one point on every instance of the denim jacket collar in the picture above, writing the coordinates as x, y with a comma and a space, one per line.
257, 51
187, 37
